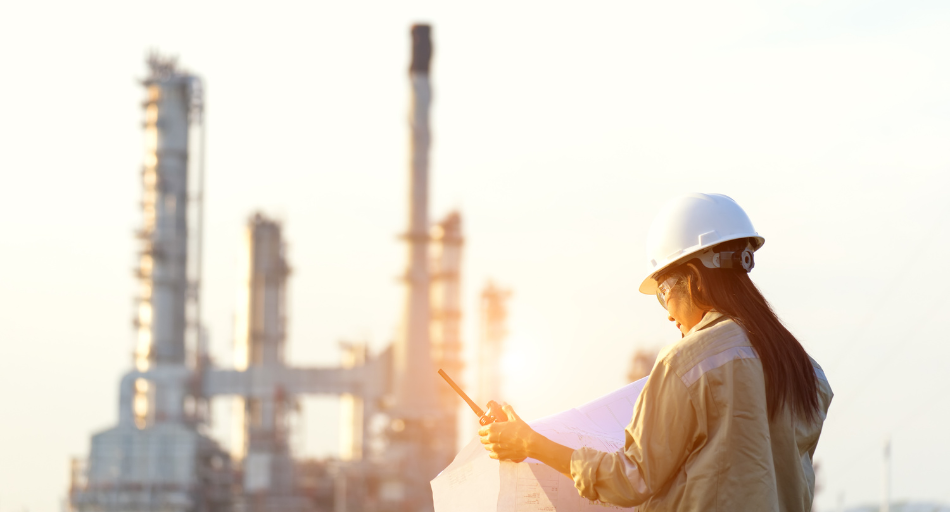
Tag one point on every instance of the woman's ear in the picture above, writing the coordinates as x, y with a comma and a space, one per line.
694, 283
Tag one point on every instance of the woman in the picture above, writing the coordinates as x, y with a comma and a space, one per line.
730, 416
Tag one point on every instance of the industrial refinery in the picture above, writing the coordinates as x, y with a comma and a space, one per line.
160, 456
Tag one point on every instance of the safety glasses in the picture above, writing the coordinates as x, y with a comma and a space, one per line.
664, 289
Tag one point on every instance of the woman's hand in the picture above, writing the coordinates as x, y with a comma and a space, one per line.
514, 440
508, 440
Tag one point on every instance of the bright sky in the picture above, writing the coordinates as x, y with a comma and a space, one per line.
557, 131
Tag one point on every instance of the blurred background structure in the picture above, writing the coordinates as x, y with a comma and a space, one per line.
641, 364
491, 343
160, 458
156, 458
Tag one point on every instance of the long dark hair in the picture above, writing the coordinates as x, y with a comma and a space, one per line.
789, 376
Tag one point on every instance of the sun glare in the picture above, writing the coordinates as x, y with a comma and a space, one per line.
517, 369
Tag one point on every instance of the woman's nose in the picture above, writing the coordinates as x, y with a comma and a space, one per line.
670, 318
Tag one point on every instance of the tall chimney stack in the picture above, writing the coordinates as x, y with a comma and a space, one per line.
419, 436
414, 371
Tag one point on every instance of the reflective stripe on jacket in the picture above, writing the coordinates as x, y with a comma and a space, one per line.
700, 438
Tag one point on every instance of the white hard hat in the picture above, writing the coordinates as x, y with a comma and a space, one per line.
689, 226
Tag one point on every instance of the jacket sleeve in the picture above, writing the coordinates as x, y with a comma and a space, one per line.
664, 430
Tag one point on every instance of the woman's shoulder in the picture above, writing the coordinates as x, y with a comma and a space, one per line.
825, 394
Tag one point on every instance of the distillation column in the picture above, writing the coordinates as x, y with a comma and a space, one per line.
172, 99
494, 330
446, 329
155, 459
261, 421
163, 279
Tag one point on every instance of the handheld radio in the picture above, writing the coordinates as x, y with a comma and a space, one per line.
484, 418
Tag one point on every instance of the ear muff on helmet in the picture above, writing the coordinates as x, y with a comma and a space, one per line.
744, 260
737, 260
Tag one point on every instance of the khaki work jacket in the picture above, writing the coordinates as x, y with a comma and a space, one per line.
700, 438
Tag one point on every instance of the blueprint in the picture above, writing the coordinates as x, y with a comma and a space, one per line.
475, 483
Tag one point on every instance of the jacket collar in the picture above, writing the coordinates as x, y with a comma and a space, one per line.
709, 318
